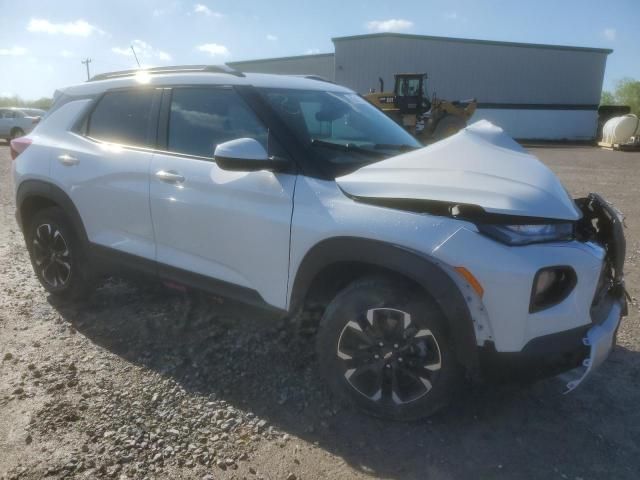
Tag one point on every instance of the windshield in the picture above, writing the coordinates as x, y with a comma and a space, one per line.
408, 87
345, 131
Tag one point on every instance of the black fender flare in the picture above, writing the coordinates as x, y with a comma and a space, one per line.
423, 269
38, 188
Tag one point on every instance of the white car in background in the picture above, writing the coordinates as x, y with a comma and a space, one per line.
17, 121
465, 258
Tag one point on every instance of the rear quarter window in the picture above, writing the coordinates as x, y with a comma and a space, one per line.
123, 117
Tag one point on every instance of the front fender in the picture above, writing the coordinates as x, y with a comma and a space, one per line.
424, 270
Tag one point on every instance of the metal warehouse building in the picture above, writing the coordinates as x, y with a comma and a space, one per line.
533, 91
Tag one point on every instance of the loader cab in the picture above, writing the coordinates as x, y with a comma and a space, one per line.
410, 93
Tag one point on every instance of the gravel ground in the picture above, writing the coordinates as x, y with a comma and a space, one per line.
145, 382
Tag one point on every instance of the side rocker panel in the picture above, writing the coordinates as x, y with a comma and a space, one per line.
423, 270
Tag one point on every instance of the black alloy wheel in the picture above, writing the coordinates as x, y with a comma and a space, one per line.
58, 255
51, 255
383, 346
388, 358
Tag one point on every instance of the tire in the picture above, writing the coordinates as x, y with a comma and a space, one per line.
16, 133
412, 375
58, 255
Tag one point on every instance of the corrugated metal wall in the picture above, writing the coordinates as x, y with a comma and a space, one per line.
532, 91
321, 65
490, 72
542, 124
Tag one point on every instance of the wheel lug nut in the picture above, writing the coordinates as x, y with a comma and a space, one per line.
395, 345
376, 356
400, 359
388, 366
381, 344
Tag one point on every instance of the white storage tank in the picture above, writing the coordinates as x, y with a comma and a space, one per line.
621, 129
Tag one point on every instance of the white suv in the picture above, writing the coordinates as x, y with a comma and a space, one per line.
463, 258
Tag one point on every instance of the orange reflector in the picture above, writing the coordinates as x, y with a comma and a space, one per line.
468, 276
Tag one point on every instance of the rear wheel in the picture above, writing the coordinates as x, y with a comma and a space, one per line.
16, 133
382, 346
58, 255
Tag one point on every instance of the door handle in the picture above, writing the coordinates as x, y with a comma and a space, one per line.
68, 160
169, 176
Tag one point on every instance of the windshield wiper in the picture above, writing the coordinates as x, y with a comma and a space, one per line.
391, 146
345, 147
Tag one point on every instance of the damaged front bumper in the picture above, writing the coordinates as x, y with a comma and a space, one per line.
575, 353
600, 340
602, 224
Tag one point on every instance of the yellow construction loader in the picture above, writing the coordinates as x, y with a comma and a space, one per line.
428, 119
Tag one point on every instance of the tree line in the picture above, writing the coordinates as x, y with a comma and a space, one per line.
626, 92
15, 101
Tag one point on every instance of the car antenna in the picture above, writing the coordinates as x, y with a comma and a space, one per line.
135, 56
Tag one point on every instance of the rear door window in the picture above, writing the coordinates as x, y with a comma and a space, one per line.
123, 117
202, 118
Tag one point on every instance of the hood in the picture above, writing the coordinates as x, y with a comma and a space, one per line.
480, 166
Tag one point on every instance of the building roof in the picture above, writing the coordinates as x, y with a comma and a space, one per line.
474, 41
294, 57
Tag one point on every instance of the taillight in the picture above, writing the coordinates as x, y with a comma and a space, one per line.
19, 145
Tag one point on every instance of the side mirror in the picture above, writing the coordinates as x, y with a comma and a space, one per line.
246, 155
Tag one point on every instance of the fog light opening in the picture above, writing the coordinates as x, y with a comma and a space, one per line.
551, 286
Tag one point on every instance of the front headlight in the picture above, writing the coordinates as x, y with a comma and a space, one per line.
525, 234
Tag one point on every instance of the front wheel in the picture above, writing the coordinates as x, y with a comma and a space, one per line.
383, 346
58, 255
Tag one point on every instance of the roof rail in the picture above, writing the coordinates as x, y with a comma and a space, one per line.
171, 69
316, 77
